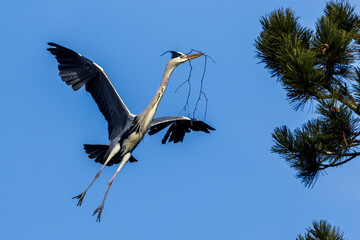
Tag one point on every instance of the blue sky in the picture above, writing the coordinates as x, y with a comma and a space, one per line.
226, 185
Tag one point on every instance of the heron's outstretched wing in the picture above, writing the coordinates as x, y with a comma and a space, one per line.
179, 126
77, 71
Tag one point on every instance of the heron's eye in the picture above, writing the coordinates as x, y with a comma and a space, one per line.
181, 56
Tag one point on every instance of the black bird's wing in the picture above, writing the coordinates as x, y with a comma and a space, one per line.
77, 71
179, 126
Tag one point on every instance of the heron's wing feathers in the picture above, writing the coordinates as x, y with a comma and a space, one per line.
179, 127
77, 71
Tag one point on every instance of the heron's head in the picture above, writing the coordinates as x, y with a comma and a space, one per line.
178, 58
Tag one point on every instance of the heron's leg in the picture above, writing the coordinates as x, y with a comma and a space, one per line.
100, 208
113, 152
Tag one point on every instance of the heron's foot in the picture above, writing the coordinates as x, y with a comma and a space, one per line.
98, 211
80, 197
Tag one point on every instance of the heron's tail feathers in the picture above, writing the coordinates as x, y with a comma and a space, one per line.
96, 152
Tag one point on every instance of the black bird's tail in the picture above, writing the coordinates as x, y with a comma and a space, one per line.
96, 151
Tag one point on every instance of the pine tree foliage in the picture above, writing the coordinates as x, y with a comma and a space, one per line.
319, 66
322, 230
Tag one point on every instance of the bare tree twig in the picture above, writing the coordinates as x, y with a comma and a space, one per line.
201, 92
187, 105
201, 89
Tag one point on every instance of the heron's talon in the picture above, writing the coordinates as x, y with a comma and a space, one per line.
80, 197
98, 211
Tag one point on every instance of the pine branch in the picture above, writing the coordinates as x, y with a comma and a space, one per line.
316, 66
322, 230
336, 164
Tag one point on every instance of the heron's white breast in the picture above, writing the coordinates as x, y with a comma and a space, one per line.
130, 142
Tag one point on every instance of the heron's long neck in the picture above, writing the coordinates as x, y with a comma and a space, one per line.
150, 110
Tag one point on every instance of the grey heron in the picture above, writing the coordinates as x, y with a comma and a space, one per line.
125, 128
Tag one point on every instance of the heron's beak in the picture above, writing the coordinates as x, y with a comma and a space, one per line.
192, 56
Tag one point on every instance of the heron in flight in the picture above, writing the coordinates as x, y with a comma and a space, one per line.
125, 128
